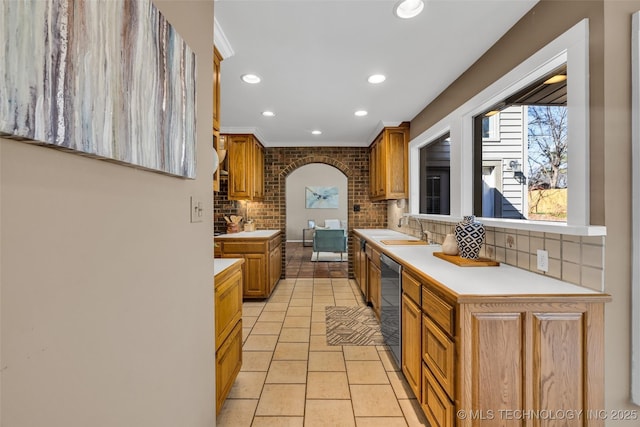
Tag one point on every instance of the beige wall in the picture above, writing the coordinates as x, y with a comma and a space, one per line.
610, 145
106, 286
314, 174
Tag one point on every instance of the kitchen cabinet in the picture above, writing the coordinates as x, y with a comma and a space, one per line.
485, 348
388, 164
228, 327
217, 58
262, 253
360, 267
412, 333
246, 167
374, 277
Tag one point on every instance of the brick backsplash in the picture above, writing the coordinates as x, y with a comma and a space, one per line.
280, 162
573, 259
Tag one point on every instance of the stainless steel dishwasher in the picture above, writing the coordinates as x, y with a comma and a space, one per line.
390, 305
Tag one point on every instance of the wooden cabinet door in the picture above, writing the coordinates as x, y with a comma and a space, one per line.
240, 149
275, 267
217, 58
376, 167
396, 163
547, 355
228, 304
258, 171
228, 364
411, 344
255, 279
374, 279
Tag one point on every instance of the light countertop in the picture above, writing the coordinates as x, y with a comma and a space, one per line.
258, 234
221, 264
504, 280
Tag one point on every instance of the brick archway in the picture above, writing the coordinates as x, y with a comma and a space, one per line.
281, 197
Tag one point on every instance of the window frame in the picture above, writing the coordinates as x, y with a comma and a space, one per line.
571, 48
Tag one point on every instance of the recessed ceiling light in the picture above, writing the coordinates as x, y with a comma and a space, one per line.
406, 9
376, 78
268, 113
361, 113
556, 79
316, 132
250, 78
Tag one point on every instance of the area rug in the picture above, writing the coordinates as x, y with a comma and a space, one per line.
355, 325
328, 257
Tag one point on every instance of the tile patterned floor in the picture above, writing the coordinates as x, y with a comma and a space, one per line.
298, 264
291, 377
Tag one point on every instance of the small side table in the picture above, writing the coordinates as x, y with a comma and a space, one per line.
305, 238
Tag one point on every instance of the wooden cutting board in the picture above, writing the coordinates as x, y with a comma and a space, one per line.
403, 242
464, 262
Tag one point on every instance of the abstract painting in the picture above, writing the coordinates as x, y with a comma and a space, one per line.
111, 79
321, 197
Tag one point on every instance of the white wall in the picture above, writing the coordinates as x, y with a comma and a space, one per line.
106, 308
314, 174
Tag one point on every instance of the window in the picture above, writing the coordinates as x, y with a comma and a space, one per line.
474, 179
435, 169
522, 172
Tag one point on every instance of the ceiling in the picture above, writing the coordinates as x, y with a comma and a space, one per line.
314, 57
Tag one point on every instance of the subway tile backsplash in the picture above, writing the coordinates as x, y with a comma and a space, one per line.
574, 259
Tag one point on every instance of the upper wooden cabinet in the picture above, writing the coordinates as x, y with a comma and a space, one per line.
217, 59
388, 164
246, 167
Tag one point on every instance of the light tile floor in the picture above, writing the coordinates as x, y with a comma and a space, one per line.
291, 377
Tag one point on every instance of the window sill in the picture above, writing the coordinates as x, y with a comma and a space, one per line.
518, 224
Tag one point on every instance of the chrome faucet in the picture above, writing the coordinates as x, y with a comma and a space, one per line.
424, 235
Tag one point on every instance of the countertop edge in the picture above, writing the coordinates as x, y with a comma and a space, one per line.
222, 265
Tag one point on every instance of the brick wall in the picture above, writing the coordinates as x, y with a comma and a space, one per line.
279, 163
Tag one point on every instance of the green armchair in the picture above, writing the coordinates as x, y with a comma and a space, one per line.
330, 240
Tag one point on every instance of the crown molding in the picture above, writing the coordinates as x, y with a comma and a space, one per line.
220, 40
239, 130
379, 127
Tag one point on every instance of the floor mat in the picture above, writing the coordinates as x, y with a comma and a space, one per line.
356, 325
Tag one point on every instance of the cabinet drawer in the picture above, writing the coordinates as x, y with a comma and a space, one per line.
373, 255
228, 304
411, 287
435, 403
274, 243
438, 352
228, 363
243, 247
438, 310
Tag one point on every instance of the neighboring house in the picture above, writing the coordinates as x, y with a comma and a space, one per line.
504, 150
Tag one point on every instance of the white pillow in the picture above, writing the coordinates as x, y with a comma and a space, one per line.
332, 223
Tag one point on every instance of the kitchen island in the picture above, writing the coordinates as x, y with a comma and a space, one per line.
262, 253
494, 345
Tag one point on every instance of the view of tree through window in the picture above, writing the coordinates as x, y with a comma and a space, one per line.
547, 162
520, 154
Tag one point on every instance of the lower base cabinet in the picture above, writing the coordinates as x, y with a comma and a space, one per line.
263, 261
487, 359
228, 328
228, 364
411, 351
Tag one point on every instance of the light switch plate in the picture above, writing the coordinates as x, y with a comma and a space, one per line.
196, 209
